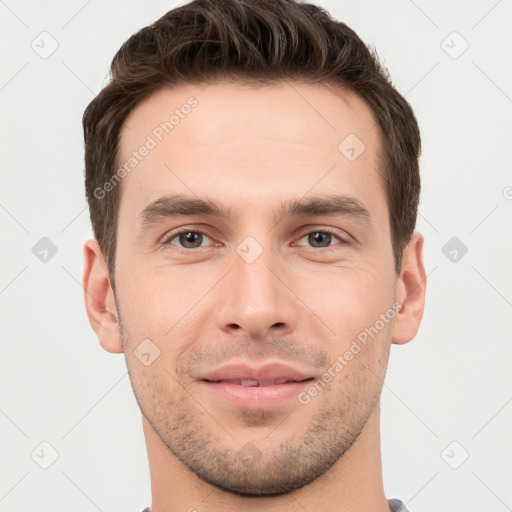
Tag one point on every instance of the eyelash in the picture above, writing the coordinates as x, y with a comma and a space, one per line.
172, 236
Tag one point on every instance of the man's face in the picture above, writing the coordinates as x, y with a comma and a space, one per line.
254, 287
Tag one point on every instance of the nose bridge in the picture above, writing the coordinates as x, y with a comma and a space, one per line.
257, 301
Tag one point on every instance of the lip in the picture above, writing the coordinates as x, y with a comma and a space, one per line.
256, 397
270, 371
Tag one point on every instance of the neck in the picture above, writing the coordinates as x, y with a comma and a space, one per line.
353, 483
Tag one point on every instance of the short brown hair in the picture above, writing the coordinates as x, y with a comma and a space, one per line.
251, 41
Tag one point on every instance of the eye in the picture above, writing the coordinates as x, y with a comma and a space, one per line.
321, 238
188, 239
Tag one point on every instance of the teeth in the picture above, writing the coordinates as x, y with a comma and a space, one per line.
249, 382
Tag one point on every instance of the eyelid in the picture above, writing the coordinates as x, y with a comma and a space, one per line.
171, 235
324, 229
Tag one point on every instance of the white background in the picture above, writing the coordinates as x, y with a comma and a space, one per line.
452, 383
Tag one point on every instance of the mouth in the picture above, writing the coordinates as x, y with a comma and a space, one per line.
241, 385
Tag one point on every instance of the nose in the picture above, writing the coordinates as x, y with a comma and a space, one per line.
256, 299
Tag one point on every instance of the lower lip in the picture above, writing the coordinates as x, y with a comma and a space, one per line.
256, 397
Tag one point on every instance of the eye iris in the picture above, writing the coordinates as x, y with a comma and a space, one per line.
190, 239
318, 239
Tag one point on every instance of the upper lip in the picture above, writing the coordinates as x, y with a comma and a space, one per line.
267, 372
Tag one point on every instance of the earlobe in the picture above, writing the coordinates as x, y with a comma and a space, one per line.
99, 298
410, 291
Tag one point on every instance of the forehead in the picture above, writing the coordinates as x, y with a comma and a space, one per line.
239, 142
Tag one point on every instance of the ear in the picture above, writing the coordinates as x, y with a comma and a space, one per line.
410, 291
99, 298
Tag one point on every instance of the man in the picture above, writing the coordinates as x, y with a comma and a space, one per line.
253, 184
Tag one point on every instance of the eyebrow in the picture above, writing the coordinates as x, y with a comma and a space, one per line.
171, 206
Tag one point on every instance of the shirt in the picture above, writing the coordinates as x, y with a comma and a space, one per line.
395, 504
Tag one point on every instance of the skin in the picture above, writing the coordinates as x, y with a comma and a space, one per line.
251, 148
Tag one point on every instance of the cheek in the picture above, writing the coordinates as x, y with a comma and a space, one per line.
347, 299
165, 305
155, 298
